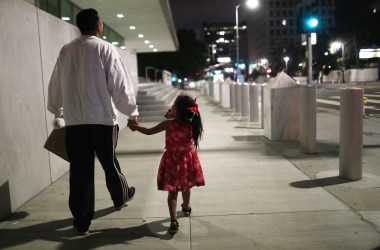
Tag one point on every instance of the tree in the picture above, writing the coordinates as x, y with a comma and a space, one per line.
188, 61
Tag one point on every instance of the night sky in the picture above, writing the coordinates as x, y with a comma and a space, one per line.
191, 14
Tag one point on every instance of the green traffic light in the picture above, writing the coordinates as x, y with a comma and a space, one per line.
312, 23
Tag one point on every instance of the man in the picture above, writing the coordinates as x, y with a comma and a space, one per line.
88, 84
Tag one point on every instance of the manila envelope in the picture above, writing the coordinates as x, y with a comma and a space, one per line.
56, 144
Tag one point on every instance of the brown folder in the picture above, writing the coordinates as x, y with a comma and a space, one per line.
56, 144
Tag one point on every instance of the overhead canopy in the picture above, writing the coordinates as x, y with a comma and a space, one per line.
151, 18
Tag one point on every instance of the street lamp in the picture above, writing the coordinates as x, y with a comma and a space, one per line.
251, 4
286, 59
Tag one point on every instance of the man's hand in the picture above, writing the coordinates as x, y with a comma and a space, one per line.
132, 122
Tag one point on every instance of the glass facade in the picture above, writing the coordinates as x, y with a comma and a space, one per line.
67, 11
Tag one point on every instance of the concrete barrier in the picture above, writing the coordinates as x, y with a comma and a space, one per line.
351, 133
254, 102
281, 109
244, 101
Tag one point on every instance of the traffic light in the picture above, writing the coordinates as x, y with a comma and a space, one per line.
311, 24
308, 16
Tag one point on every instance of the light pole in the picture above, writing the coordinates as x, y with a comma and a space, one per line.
286, 59
251, 4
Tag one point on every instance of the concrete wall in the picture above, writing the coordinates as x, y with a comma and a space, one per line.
351, 75
30, 42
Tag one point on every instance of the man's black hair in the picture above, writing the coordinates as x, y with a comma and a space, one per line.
87, 20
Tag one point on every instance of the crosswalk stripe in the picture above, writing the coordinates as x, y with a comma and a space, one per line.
335, 103
368, 100
370, 95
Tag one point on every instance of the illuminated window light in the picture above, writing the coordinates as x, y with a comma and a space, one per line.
132, 27
284, 22
120, 15
146, 41
65, 18
223, 59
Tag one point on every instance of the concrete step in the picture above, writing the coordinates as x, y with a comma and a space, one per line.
161, 112
151, 118
151, 90
153, 107
155, 100
146, 98
150, 102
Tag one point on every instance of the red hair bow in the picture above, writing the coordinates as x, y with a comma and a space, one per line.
194, 109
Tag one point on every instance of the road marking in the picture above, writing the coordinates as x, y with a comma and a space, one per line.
368, 100
369, 95
335, 103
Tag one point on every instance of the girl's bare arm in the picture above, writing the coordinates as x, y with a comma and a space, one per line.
151, 131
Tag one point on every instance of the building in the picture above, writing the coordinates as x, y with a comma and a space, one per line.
274, 30
221, 40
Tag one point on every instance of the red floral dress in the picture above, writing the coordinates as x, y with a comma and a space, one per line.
180, 168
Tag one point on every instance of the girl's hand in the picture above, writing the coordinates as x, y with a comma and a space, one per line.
133, 126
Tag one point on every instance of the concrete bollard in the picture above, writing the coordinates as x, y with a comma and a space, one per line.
308, 119
254, 107
232, 96
244, 103
351, 133
237, 98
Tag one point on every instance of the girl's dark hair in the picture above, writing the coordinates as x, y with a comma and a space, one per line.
87, 20
183, 114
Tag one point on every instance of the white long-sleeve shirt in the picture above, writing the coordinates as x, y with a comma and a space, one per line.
90, 83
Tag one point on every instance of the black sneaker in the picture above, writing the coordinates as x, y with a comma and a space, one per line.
131, 195
81, 230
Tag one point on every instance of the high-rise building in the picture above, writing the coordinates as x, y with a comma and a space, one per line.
221, 40
274, 31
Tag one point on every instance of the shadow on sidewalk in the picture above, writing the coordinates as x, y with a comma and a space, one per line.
322, 182
62, 232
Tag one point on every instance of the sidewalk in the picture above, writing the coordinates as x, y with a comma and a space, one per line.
258, 195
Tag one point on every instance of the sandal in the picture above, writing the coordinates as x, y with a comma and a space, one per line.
174, 226
186, 211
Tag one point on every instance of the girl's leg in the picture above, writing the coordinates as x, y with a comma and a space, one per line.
186, 198
186, 209
172, 204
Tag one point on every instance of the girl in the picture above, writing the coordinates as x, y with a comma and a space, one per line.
179, 169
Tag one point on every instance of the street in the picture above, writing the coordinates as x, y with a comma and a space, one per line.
329, 97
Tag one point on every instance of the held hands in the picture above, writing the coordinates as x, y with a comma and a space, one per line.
132, 124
